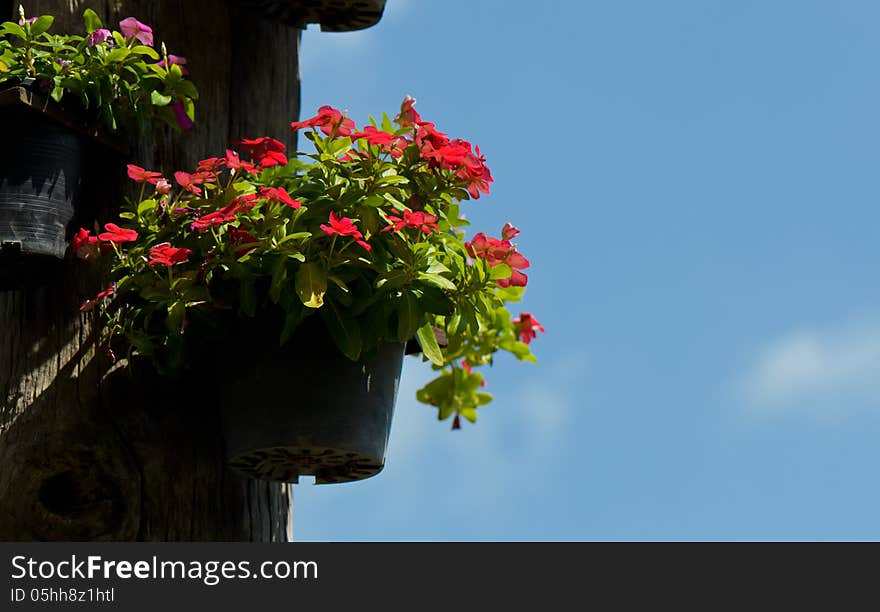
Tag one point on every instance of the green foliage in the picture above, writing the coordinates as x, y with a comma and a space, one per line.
108, 78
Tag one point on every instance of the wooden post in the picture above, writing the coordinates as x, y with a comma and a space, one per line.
91, 451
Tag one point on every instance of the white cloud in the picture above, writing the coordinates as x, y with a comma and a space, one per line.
824, 373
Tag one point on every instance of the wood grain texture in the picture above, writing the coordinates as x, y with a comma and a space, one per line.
92, 451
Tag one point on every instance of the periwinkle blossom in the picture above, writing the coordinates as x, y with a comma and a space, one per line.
175, 60
132, 28
98, 36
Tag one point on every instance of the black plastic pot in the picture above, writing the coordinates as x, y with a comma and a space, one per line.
304, 408
40, 169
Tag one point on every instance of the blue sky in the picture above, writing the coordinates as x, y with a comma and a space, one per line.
697, 187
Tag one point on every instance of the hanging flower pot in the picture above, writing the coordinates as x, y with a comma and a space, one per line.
305, 408
55, 90
357, 251
40, 170
333, 15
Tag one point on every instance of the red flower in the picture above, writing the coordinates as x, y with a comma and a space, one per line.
375, 137
418, 220
87, 247
408, 115
234, 163
509, 232
496, 252
116, 234
345, 227
243, 203
216, 218
190, 182
265, 151
210, 164
331, 121
427, 133
279, 194
527, 327
89, 304
167, 255
240, 236
139, 175
449, 156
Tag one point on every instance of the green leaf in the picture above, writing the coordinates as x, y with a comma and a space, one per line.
311, 284
386, 124
279, 277
57, 93
409, 316
344, 329
469, 413
92, 21
157, 99
144, 50
428, 342
118, 54
14, 29
500, 271
437, 281
339, 146
43, 23
176, 315
145, 206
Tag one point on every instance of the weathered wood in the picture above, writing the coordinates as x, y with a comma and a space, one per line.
91, 451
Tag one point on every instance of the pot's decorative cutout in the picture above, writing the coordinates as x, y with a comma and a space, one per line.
333, 15
306, 409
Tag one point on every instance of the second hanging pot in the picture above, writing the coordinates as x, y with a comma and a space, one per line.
305, 408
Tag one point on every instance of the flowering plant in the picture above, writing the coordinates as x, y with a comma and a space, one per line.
116, 76
367, 235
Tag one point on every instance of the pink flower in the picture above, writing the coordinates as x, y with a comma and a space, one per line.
166, 255
345, 227
139, 175
180, 115
117, 235
89, 304
527, 327
163, 187
132, 28
98, 36
175, 60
